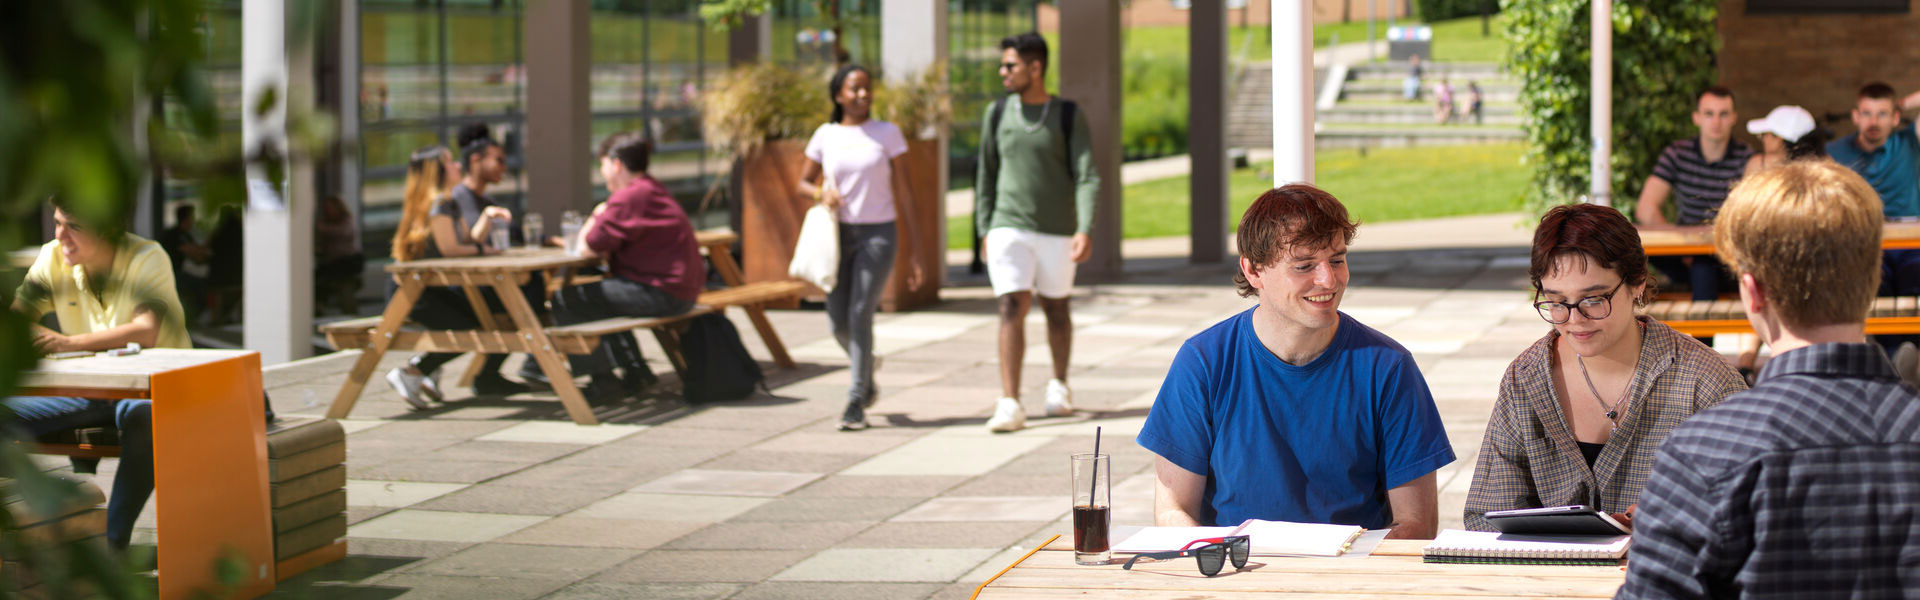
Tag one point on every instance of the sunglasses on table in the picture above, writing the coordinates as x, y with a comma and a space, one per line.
1212, 554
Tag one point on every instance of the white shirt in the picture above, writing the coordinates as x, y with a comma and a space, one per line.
856, 159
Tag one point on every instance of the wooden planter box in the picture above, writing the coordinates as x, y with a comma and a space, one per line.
772, 209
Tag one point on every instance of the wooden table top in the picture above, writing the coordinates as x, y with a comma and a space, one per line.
1394, 570
524, 259
119, 373
23, 257
1698, 239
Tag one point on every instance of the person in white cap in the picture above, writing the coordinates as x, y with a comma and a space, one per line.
1787, 133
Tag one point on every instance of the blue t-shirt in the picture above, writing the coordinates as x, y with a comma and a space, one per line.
1891, 169
1315, 443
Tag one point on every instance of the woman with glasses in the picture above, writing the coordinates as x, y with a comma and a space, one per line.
1581, 412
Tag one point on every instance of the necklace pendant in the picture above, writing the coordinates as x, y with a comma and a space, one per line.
1613, 414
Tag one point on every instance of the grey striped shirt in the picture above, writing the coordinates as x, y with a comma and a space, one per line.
1806, 486
1700, 186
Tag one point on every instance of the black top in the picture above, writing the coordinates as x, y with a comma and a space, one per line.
1590, 451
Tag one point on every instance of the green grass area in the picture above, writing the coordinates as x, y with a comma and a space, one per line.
1390, 184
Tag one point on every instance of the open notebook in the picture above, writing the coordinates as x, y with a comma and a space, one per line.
1459, 546
1268, 538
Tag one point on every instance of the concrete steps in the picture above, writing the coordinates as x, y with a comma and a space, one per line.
1395, 137
1409, 113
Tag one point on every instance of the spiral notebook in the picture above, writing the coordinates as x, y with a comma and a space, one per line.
1491, 547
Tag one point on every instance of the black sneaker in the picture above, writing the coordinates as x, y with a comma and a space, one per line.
603, 391
855, 419
493, 384
530, 372
638, 381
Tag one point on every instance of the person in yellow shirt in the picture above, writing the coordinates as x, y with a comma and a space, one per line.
104, 296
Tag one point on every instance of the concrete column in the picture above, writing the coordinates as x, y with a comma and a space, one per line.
1600, 190
1089, 66
559, 148
278, 294
752, 41
1207, 131
347, 58
1292, 92
913, 38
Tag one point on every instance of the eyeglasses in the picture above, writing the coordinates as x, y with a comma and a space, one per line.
1213, 555
1007, 66
1592, 307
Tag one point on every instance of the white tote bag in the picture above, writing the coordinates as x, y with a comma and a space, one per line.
816, 256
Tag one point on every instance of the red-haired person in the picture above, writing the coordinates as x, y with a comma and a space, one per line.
1293, 410
1582, 411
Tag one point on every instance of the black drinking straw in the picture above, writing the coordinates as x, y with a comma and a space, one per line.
1093, 485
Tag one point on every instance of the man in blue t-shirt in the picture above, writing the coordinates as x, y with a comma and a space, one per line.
1292, 410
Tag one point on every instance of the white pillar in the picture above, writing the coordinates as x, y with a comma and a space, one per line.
1601, 190
1292, 92
913, 38
278, 289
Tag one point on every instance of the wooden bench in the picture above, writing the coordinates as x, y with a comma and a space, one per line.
583, 338
1894, 315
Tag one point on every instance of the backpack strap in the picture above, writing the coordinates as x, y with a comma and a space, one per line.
990, 156
1067, 107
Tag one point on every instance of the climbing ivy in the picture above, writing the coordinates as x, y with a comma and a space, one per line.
1663, 55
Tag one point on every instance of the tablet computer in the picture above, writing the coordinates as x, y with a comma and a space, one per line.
1559, 520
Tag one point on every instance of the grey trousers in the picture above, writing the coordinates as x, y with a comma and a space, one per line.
866, 260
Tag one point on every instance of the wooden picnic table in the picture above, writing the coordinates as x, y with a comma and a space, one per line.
1696, 240
209, 452
23, 257
1394, 570
505, 273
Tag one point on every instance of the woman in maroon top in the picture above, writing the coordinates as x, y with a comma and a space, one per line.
653, 267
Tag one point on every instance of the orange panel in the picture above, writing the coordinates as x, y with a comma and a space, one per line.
210, 477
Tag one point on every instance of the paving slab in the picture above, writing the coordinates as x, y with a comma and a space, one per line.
937, 565
515, 499
989, 508
645, 506
551, 432
590, 532
396, 494
876, 486
790, 590
521, 561
942, 534
769, 460
601, 590
804, 509
728, 483
702, 566
732, 535
449, 471
441, 526
433, 587
948, 455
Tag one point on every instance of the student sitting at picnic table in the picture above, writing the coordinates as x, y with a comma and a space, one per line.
1806, 485
1293, 410
653, 267
1582, 411
428, 229
107, 288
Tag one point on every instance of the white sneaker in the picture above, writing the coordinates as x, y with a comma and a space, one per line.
408, 385
1007, 416
430, 386
1059, 398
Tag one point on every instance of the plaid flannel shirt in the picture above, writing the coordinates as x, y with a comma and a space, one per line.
1529, 458
1808, 486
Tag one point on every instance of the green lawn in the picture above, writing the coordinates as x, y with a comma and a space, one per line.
1455, 40
1391, 184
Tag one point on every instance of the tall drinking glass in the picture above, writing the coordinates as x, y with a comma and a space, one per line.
533, 229
499, 234
1092, 506
570, 232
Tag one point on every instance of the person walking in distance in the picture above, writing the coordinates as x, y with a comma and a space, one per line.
1034, 198
865, 160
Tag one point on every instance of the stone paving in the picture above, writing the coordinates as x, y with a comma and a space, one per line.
762, 498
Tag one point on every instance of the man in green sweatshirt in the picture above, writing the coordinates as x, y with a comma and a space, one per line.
1034, 198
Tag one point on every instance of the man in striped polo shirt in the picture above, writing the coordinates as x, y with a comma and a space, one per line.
1696, 172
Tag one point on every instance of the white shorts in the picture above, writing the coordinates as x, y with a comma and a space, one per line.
1019, 260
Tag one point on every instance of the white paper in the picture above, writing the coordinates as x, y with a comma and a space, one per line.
1282, 538
1162, 539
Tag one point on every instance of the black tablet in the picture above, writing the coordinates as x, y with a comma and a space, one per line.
1558, 520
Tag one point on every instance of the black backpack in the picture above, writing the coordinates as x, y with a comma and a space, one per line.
718, 366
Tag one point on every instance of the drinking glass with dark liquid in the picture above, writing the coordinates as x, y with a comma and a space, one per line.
1092, 508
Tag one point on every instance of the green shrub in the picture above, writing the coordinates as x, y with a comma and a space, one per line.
1153, 117
1663, 54
1439, 10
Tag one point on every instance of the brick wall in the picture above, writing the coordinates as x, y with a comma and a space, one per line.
1816, 61
1162, 12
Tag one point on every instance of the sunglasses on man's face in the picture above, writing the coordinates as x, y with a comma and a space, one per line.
1212, 554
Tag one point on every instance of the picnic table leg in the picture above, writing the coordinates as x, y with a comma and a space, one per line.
529, 328
758, 315
377, 344
669, 338
485, 315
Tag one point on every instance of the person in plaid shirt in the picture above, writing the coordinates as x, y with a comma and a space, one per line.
1808, 485
1581, 412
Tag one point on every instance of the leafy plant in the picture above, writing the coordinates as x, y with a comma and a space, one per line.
1437, 10
1663, 54
724, 15
753, 103
919, 104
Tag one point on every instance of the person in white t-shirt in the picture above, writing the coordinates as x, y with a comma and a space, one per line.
856, 165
